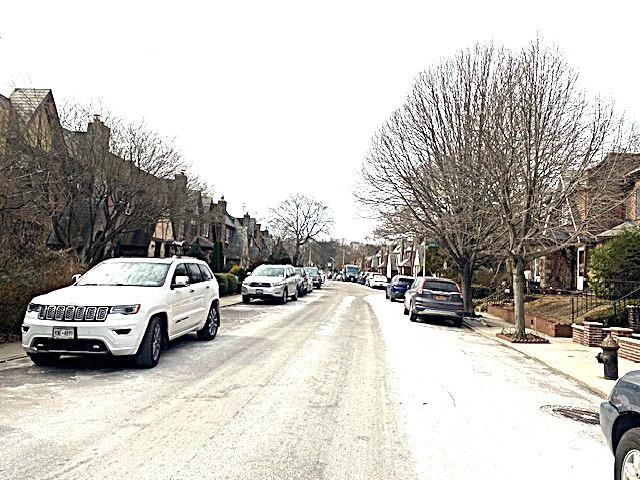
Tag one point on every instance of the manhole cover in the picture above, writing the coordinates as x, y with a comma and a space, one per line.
573, 413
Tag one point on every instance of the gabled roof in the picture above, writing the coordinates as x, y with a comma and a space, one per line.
26, 101
617, 230
5, 102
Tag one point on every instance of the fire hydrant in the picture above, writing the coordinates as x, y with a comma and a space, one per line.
609, 357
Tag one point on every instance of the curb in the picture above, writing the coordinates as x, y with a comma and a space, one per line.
592, 389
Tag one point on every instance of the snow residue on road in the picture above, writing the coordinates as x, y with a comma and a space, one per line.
471, 407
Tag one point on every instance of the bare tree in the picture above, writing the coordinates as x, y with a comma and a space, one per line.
300, 219
420, 175
115, 181
544, 154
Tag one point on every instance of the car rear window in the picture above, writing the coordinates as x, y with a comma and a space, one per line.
440, 286
405, 281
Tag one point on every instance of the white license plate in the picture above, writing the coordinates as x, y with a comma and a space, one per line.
258, 292
64, 333
442, 298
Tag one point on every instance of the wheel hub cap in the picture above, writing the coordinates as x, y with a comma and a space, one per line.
631, 466
213, 321
156, 342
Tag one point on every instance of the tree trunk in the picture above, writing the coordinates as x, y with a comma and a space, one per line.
518, 296
466, 275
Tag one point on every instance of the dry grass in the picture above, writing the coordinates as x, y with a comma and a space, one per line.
551, 307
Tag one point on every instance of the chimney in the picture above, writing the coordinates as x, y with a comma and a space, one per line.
98, 134
181, 180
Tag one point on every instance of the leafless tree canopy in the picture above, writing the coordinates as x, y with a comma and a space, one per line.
300, 219
497, 153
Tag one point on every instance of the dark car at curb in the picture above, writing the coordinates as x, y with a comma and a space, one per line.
398, 286
620, 423
432, 296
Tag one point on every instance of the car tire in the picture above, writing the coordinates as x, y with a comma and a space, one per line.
412, 314
628, 446
150, 347
284, 298
405, 311
295, 296
457, 322
44, 359
391, 299
210, 329
246, 298
386, 295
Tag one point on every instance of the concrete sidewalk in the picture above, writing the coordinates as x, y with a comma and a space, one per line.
562, 355
13, 350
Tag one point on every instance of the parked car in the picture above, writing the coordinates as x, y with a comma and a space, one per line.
434, 296
306, 283
124, 306
277, 282
323, 277
620, 423
378, 280
337, 277
350, 273
314, 273
398, 286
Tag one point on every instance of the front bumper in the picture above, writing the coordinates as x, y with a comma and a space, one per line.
262, 292
118, 335
608, 416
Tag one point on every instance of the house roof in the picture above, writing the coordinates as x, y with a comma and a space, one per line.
617, 230
26, 101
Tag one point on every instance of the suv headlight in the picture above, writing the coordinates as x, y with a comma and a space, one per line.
277, 284
125, 309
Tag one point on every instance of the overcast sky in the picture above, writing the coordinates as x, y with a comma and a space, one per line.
269, 98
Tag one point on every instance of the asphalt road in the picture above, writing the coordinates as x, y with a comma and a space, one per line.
339, 385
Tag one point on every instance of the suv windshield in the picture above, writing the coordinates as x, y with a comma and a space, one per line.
132, 274
440, 286
268, 271
311, 270
352, 270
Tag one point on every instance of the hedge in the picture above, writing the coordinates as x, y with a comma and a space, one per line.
228, 283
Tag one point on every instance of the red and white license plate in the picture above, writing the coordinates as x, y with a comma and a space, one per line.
64, 333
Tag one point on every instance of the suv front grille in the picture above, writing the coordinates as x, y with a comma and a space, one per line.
259, 284
73, 313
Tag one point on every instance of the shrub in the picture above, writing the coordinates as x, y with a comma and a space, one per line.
616, 259
25, 277
601, 315
196, 252
480, 291
239, 272
222, 282
232, 283
217, 257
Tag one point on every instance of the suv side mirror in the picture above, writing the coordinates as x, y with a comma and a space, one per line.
180, 281
75, 278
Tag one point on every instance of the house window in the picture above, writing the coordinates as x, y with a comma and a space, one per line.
205, 229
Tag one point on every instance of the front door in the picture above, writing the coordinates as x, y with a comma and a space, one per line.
580, 268
182, 303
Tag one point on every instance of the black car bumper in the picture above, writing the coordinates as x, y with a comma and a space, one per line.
608, 416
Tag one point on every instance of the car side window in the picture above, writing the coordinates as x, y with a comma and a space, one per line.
206, 273
181, 271
194, 273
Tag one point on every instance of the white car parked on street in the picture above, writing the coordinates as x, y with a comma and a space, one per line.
378, 280
124, 306
271, 282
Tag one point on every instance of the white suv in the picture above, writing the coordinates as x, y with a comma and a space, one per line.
271, 282
124, 306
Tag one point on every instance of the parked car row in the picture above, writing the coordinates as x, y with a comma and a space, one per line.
136, 306
281, 283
